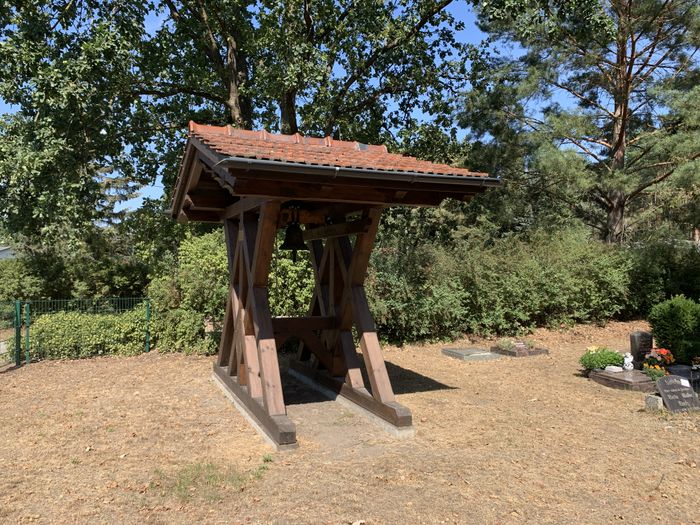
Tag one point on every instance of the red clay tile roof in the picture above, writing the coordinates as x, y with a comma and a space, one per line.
232, 142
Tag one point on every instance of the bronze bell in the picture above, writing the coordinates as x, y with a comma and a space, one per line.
294, 240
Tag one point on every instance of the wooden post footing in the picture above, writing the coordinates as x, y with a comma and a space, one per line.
279, 431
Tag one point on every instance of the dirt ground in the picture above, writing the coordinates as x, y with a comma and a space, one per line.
151, 439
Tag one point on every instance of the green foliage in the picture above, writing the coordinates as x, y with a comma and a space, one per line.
676, 326
18, 282
503, 286
415, 293
203, 274
73, 335
660, 270
291, 283
600, 357
193, 292
654, 373
182, 330
542, 279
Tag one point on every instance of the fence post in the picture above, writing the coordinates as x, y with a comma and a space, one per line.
148, 325
27, 322
18, 332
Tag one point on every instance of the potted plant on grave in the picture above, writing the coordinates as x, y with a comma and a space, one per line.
598, 357
656, 361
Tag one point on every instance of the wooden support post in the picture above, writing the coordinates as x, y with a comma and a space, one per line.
247, 362
340, 269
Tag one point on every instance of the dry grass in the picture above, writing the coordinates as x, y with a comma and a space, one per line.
151, 439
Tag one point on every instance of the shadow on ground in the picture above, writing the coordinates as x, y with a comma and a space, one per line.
406, 381
403, 380
4, 369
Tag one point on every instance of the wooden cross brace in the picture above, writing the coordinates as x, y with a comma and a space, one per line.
247, 362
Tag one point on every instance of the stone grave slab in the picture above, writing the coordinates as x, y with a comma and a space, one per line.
470, 354
677, 394
627, 380
519, 350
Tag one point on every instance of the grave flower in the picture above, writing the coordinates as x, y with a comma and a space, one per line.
656, 361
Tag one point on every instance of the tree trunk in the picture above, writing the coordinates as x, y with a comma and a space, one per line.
615, 227
236, 72
288, 110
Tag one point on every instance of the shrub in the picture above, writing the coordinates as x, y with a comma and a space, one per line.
600, 357
415, 293
676, 325
182, 330
660, 270
17, 281
505, 286
72, 335
194, 292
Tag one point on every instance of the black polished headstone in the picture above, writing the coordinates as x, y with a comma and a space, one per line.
640, 345
677, 394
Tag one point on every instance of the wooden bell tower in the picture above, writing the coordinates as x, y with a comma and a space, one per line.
256, 183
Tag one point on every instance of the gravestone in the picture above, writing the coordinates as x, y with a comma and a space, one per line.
640, 345
677, 394
470, 354
519, 349
625, 380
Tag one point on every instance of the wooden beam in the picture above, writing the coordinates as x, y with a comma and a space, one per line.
279, 428
243, 205
197, 169
453, 184
392, 412
338, 230
198, 216
346, 194
209, 200
290, 325
265, 242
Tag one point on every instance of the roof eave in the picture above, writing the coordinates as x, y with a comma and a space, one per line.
247, 163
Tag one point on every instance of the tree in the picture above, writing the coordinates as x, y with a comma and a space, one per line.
298, 65
104, 90
620, 91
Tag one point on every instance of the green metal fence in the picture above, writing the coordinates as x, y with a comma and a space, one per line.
16, 318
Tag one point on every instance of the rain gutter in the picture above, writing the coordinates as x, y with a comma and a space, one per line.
411, 177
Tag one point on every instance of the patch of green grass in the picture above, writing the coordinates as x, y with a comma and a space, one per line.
207, 481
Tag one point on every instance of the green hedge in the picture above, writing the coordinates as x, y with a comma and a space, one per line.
676, 326
507, 286
72, 335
